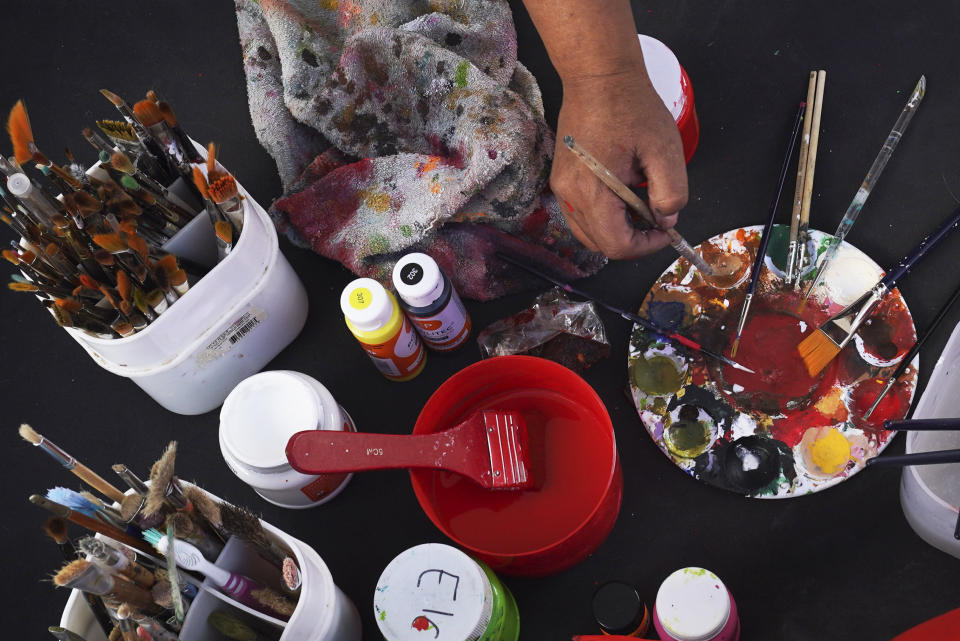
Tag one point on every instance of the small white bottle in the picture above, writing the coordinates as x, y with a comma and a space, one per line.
431, 303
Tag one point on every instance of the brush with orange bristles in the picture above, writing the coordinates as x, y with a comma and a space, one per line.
186, 146
21, 135
820, 347
152, 146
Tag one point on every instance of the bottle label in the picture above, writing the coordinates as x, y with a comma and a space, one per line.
446, 329
398, 356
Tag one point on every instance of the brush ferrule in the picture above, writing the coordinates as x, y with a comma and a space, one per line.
886, 388
55, 452
791, 262
842, 327
744, 311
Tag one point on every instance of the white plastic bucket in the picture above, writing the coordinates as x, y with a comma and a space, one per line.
323, 613
930, 494
226, 327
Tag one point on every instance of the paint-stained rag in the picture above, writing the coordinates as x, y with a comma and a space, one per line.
401, 126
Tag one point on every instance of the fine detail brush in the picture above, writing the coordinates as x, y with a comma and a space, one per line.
821, 346
803, 229
84, 575
866, 187
164, 487
636, 203
241, 588
908, 358
767, 228
918, 458
489, 447
925, 424
80, 470
799, 194
646, 323
90, 523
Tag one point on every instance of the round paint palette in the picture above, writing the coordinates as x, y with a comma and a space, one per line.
779, 432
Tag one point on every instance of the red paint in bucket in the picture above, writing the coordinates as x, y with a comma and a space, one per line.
534, 532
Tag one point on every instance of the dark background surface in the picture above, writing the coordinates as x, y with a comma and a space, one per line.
842, 564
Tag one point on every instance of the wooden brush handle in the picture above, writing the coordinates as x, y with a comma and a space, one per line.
328, 452
97, 482
812, 151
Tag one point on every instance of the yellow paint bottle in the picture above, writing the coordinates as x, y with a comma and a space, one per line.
374, 317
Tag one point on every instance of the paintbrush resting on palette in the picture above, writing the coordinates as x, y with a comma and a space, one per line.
923, 424
799, 193
821, 346
244, 589
636, 203
919, 458
80, 470
906, 360
490, 447
765, 239
860, 198
800, 257
646, 323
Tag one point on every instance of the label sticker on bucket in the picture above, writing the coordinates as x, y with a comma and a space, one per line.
232, 335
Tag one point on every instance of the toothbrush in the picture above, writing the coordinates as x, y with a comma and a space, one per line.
239, 587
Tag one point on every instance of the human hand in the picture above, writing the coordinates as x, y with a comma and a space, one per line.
620, 120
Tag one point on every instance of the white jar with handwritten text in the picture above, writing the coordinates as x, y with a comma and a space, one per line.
438, 589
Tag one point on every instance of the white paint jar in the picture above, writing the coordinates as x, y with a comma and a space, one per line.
258, 418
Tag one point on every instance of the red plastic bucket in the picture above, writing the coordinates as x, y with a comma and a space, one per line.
672, 84
535, 532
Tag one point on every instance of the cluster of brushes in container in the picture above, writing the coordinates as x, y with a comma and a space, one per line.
122, 573
90, 243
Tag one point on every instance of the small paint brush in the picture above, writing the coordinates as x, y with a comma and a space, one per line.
91, 524
918, 458
925, 424
636, 203
186, 146
84, 575
223, 191
803, 229
80, 470
908, 358
21, 135
866, 187
821, 346
767, 228
630, 316
143, 135
799, 194
224, 232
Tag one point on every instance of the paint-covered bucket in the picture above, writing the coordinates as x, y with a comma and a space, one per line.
231, 323
256, 421
693, 604
930, 494
573, 460
672, 84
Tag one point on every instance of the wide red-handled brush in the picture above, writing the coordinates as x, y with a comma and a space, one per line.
490, 447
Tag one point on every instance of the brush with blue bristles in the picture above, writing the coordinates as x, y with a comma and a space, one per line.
86, 504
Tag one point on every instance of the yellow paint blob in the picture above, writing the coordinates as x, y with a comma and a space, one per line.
379, 202
831, 451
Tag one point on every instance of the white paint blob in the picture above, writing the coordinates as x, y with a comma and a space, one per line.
850, 275
750, 461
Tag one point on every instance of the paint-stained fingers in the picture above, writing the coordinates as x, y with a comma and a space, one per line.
571, 215
662, 162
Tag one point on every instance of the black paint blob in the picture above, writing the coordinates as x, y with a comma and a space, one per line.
751, 463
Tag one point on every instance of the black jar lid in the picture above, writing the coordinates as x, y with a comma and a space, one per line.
617, 608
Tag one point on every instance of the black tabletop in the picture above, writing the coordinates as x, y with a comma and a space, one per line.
842, 564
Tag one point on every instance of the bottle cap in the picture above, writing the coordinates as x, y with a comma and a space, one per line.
618, 609
693, 604
366, 304
418, 280
19, 185
433, 588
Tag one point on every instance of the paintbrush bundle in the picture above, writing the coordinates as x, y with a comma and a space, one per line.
122, 572
90, 242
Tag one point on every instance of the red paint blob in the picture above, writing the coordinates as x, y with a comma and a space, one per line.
769, 347
893, 406
421, 623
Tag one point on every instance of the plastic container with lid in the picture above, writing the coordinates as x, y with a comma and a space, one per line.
374, 317
438, 589
431, 302
619, 610
256, 421
693, 604
672, 84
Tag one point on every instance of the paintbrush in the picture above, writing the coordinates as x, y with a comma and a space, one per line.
21, 135
918, 458
646, 323
223, 191
144, 136
84, 575
636, 203
64, 634
153, 628
116, 562
80, 470
79, 503
821, 346
799, 193
127, 627
926, 424
490, 447
164, 488
224, 232
866, 187
906, 360
242, 523
187, 147
186, 529
91, 524
803, 233
765, 239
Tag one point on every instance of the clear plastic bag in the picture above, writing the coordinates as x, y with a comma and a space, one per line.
554, 327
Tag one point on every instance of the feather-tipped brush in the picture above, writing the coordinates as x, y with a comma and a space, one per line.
21, 135
821, 346
242, 523
80, 503
164, 488
84, 575
80, 470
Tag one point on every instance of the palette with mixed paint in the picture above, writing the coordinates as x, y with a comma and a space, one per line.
780, 432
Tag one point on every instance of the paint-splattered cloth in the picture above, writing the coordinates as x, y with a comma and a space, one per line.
406, 126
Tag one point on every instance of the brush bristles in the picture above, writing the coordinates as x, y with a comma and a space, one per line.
70, 571
110, 242
27, 433
206, 506
201, 182
112, 97
160, 592
69, 305
183, 525
117, 129
275, 601
121, 162
817, 350
734, 348
56, 529
22, 287
18, 126
167, 112
161, 474
224, 231
211, 161
115, 634
147, 112
152, 96
223, 189
168, 264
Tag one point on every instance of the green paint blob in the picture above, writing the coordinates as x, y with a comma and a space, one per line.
694, 571
379, 244
383, 615
688, 439
406, 231
460, 77
657, 375
778, 245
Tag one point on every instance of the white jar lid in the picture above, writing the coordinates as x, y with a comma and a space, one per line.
418, 280
261, 414
663, 68
693, 604
433, 585
366, 304
19, 185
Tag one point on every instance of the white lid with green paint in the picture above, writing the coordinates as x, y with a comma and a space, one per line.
693, 604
